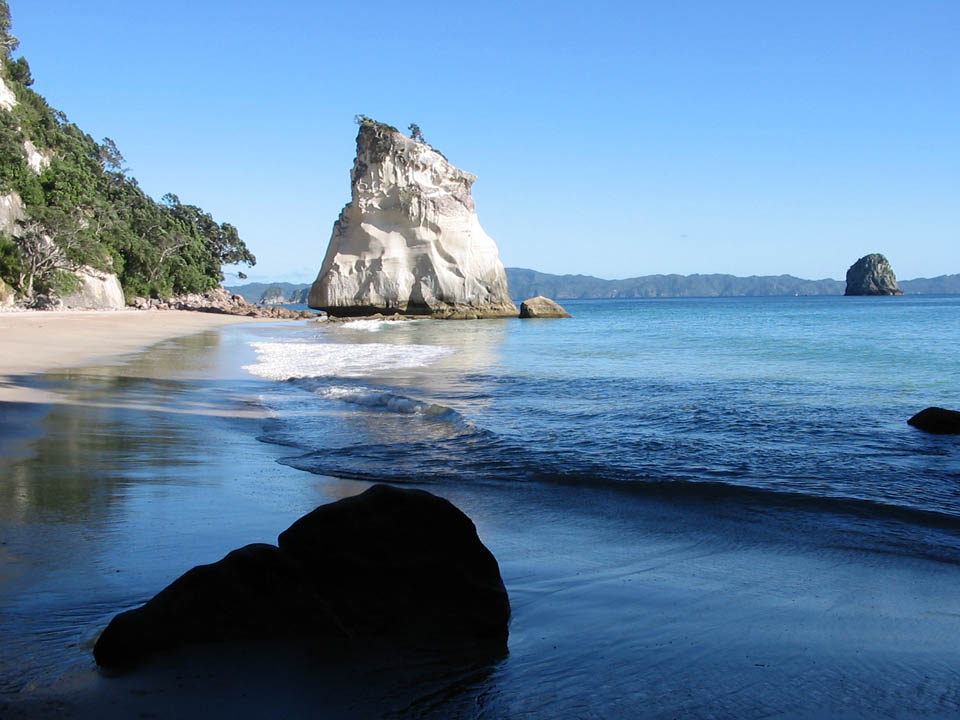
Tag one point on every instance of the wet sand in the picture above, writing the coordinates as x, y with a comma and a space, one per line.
38, 341
623, 606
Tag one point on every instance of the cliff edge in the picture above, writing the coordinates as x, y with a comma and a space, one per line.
409, 241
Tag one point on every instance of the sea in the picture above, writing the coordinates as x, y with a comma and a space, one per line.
795, 400
702, 507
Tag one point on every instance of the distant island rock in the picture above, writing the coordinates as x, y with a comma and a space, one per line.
299, 297
253, 292
872, 275
273, 295
542, 307
409, 241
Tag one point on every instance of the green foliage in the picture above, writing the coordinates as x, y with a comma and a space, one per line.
94, 213
11, 261
8, 43
19, 71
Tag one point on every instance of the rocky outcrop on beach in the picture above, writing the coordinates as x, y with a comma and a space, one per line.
389, 563
872, 275
542, 307
220, 300
98, 290
409, 240
7, 295
937, 420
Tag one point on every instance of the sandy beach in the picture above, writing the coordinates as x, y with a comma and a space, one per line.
35, 342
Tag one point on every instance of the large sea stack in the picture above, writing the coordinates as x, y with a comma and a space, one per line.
409, 241
872, 275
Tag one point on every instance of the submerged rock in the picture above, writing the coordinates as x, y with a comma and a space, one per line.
872, 275
409, 240
937, 420
391, 563
542, 307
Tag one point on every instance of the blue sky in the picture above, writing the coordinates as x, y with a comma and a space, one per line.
610, 138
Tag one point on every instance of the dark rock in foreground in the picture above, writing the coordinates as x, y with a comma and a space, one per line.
937, 420
542, 307
395, 561
872, 275
387, 563
255, 591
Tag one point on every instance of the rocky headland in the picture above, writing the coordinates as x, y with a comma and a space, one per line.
872, 275
409, 241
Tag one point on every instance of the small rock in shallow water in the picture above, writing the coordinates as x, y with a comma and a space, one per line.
542, 307
937, 420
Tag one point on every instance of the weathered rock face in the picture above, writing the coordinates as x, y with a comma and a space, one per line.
99, 290
11, 212
542, 307
36, 160
872, 275
391, 563
7, 295
7, 98
937, 420
409, 240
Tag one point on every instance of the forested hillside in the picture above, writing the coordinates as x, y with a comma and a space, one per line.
66, 201
528, 283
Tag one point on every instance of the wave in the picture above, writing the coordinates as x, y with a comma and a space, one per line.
371, 325
291, 360
384, 400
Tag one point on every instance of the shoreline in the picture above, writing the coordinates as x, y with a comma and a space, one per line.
36, 342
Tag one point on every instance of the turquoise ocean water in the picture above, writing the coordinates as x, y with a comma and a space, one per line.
776, 400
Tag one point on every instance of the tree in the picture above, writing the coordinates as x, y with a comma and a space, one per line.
415, 133
8, 43
110, 157
49, 246
19, 71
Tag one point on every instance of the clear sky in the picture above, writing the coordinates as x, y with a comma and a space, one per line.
610, 138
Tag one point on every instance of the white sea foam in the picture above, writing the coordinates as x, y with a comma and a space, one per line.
284, 361
371, 325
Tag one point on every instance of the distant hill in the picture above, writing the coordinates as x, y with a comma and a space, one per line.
253, 292
528, 283
940, 285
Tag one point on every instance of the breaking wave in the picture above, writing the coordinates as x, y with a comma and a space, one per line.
292, 360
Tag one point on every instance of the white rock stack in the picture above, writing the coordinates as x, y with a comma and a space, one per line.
409, 241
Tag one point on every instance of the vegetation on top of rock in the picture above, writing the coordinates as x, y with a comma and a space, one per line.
81, 206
